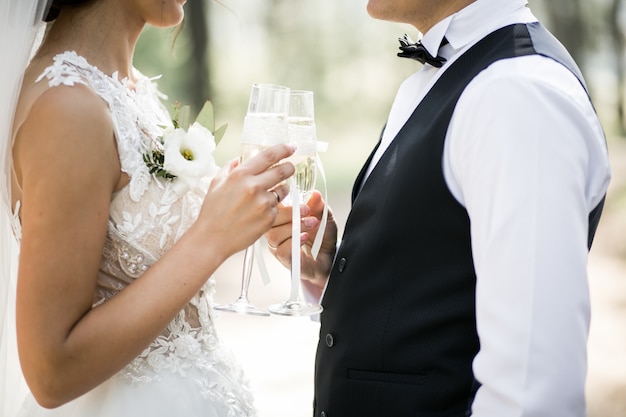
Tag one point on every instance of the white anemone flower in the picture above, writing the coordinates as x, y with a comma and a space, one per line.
189, 154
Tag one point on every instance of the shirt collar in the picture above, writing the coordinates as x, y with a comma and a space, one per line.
474, 22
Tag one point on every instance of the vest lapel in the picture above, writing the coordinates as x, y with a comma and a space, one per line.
358, 183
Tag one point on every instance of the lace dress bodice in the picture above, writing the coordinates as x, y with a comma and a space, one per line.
146, 218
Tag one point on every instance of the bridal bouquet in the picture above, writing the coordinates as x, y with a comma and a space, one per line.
184, 153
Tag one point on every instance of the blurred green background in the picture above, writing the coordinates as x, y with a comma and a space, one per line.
349, 60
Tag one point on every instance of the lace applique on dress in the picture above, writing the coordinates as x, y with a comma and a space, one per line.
136, 114
15, 222
146, 219
186, 347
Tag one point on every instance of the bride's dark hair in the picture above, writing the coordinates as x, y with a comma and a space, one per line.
55, 6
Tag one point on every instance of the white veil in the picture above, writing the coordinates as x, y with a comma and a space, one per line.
20, 22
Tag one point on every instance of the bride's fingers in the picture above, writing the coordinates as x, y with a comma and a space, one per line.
225, 170
280, 192
276, 175
269, 157
230, 165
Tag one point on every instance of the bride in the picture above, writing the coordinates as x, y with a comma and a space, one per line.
113, 298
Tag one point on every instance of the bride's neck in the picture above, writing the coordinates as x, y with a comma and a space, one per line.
105, 40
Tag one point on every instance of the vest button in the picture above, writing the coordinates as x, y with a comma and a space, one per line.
323, 414
342, 264
330, 340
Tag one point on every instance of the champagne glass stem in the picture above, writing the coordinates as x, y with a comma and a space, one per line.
242, 305
248, 260
295, 241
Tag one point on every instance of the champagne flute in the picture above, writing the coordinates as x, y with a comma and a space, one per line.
265, 125
301, 129
302, 134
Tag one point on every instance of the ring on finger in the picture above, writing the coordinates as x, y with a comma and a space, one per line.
277, 196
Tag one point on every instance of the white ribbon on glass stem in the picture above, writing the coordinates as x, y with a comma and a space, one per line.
20, 25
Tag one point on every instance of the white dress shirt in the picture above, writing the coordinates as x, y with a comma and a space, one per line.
526, 156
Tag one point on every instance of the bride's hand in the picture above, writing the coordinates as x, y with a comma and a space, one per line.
241, 201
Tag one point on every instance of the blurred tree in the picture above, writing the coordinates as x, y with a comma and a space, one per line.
166, 52
616, 29
335, 49
583, 26
296, 42
568, 24
198, 84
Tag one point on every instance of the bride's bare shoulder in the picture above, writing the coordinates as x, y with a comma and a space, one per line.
59, 97
72, 119
43, 102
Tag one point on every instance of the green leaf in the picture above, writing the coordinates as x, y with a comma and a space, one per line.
219, 133
206, 116
184, 117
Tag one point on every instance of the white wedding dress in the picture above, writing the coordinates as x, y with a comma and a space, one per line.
185, 371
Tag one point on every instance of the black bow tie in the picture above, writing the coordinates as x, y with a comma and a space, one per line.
417, 51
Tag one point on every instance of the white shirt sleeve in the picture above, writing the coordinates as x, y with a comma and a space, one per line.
526, 156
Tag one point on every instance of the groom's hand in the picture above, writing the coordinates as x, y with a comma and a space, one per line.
315, 271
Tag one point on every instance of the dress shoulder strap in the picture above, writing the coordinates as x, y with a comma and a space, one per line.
137, 113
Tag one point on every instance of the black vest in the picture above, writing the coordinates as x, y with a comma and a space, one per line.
398, 331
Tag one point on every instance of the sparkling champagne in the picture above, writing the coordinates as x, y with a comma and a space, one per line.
305, 176
302, 134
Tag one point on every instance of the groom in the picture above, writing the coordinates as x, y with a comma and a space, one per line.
459, 287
